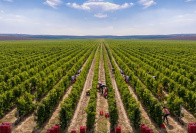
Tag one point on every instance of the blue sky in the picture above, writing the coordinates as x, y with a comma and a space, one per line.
98, 17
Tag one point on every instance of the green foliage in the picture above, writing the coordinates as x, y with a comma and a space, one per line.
165, 81
143, 93
92, 104
25, 104
56, 93
174, 73
28, 66
69, 104
27, 71
191, 76
34, 82
130, 103
113, 111
173, 104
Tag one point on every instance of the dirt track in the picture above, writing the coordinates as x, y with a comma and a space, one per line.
10, 117
102, 125
79, 118
123, 120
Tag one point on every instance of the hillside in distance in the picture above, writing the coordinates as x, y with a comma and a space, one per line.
158, 37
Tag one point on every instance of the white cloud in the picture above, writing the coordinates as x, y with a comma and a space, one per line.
147, 3
74, 5
99, 15
52, 3
9, 0
99, 6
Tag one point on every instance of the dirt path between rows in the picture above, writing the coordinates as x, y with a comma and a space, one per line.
10, 117
123, 119
173, 126
102, 124
29, 124
80, 116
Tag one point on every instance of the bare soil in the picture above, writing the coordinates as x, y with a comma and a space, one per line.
80, 116
102, 124
26, 126
123, 120
10, 117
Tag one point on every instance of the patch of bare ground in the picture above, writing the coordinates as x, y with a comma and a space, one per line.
188, 117
123, 120
80, 116
10, 117
102, 124
26, 126
174, 126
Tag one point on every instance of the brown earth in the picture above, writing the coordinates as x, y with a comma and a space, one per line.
80, 116
10, 117
123, 120
102, 124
